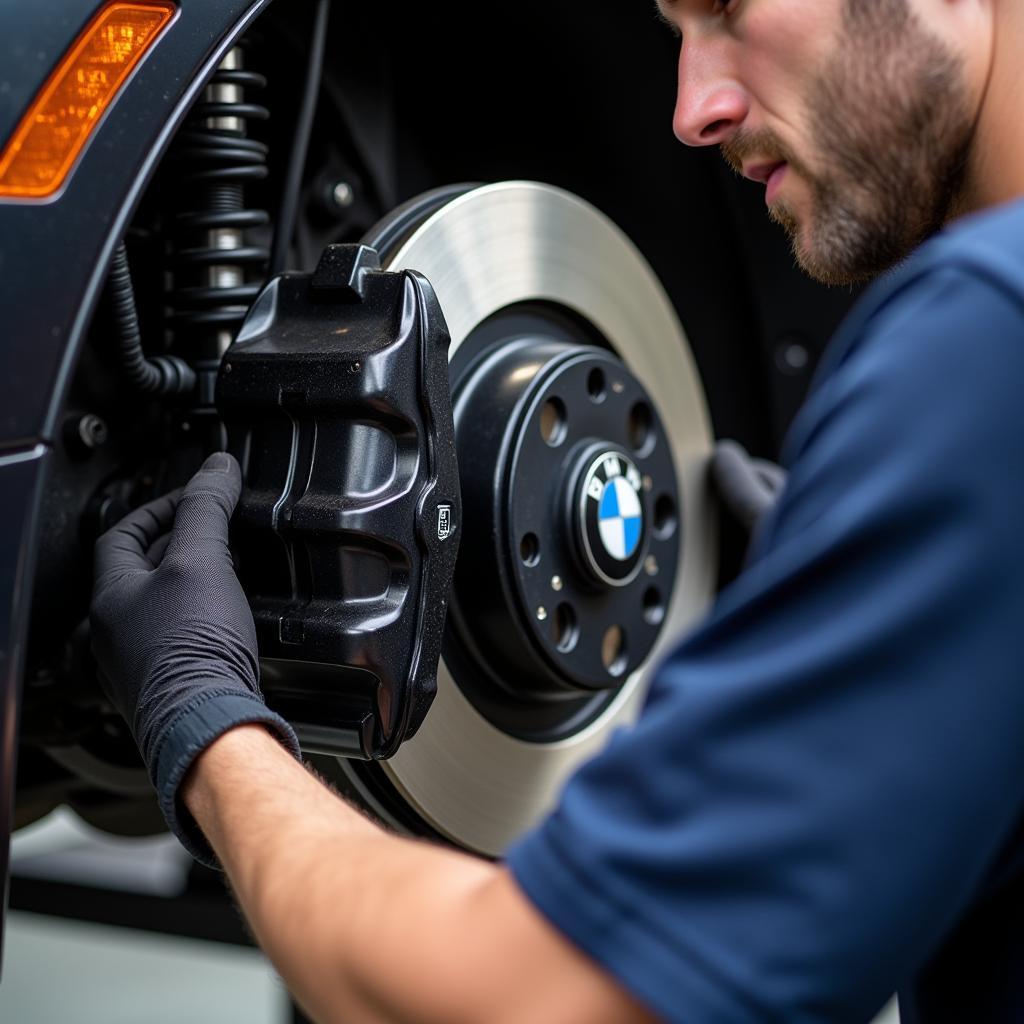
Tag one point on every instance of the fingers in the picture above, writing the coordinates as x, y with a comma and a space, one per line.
743, 490
124, 547
205, 508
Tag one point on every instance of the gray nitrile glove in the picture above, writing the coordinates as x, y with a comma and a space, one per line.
748, 487
173, 634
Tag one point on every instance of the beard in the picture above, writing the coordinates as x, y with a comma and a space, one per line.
891, 119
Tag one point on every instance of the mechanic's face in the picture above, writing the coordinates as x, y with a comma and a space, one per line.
855, 116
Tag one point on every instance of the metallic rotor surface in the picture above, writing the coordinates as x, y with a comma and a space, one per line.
490, 248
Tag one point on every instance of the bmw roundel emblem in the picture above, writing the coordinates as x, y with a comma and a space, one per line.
612, 522
620, 518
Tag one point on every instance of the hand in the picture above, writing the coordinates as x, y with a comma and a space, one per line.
748, 487
173, 634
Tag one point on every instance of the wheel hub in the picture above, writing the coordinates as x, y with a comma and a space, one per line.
562, 457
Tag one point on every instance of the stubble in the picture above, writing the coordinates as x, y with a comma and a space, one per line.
891, 127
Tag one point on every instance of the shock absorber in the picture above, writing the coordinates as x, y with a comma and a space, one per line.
216, 268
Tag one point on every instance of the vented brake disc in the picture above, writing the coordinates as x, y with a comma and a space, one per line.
588, 544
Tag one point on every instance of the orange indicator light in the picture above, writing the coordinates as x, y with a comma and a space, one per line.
43, 148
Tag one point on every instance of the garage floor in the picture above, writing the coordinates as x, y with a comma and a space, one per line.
67, 972
62, 971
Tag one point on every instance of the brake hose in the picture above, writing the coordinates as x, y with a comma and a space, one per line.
300, 143
156, 375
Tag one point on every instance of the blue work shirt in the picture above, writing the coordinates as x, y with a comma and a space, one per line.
822, 801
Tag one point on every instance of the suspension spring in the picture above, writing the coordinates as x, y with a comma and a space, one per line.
216, 271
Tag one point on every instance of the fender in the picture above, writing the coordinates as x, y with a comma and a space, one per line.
53, 259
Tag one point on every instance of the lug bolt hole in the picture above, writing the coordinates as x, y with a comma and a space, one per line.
654, 609
529, 549
564, 630
552, 422
641, 435
613, 650
664, 517
596, 385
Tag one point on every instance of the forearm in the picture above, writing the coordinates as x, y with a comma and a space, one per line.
365, 926
339, 905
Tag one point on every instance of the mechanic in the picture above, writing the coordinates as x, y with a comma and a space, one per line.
821, 802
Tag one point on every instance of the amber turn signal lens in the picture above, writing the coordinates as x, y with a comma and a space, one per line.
60, 120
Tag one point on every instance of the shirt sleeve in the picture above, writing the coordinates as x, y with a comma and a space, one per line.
827, 769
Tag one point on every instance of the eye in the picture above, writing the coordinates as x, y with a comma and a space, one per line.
725, 6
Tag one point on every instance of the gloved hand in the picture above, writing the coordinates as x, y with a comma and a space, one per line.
748, 487
173, 634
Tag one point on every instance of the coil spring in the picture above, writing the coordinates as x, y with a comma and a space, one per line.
214, 268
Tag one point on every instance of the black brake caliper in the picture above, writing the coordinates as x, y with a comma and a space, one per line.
335, 397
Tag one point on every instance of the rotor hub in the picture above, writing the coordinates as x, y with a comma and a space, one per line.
564, 460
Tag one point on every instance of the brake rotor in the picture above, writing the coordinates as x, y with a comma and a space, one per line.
588, 544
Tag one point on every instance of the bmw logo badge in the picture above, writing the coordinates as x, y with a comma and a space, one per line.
612, 521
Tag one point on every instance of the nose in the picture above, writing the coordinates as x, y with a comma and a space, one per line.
711, 104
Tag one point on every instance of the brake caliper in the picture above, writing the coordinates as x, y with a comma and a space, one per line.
335, 397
